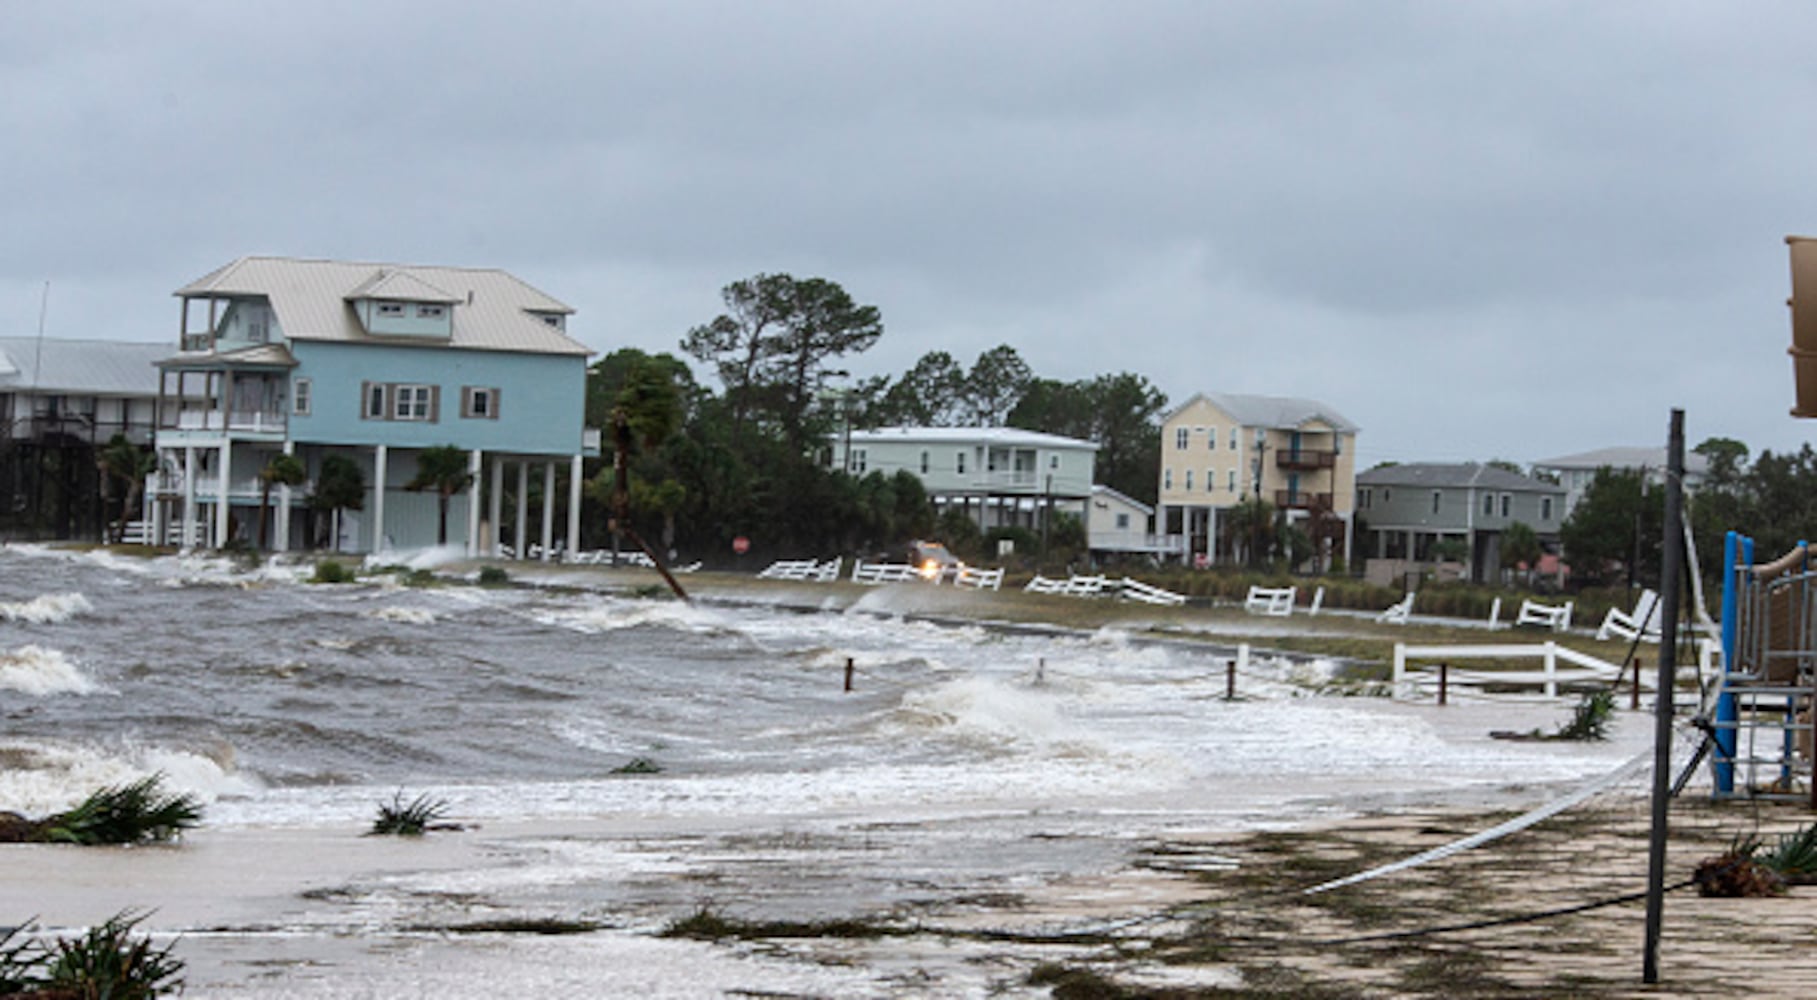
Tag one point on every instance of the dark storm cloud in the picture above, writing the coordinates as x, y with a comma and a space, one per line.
1478, 229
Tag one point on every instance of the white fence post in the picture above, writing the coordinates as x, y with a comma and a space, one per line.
1400, 669
1551, 669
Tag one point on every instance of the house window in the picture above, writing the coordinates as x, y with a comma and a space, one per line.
299, 397
1545, 508
1488, 505
375, 401
1122, 522
1233, 439
1189, 480
1437, 497
1167, 479
431, 312
959, 462
1233, 480
411, 402
1507, 498
1211, 440
858, 459
552, 320
1180, 438
1363, 498
391, 309
1053, 462
924, 461
1211, 480
480, 402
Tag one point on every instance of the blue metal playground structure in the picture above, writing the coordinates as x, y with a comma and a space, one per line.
1762, 726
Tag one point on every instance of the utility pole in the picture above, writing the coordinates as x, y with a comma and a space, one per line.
1670, 584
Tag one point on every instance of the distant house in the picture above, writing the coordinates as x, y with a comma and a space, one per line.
60, 400
1118, 525
997, 476
373, 362
1219, 449
1412, 510
1576, 472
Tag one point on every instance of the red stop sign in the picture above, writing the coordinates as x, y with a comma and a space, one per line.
741, 545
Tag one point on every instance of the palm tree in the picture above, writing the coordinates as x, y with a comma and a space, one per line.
1251, 523
283, 470
340, 485
442, 468
648, 410
131, 464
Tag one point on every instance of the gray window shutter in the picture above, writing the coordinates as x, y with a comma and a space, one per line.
496, 395
435, 404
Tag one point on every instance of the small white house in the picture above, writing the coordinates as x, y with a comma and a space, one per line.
999, 476
1116, 524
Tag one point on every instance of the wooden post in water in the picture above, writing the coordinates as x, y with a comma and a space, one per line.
1634, 696
1230, 680
1444, 681
848, 673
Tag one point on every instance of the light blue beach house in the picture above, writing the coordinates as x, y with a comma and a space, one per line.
374, 362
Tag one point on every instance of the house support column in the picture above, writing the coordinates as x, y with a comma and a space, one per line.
222, 506
189, 498
290, 448
475, 465
1349, 541
548, 509
521, 546
496, 508
574, 505
380, 453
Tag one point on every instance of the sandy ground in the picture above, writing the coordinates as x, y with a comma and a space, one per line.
1147, 911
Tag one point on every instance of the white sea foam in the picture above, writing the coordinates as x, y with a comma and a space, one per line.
432, 557
612, 615
37, 670
46, 608
43, 777
406, 616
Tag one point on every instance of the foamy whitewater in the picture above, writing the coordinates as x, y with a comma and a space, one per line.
964, 756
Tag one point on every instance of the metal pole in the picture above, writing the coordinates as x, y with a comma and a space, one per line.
1669, 584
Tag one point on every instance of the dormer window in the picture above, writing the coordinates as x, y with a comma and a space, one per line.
391, 309
431, 312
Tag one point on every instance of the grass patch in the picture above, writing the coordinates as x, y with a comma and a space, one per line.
330, 571
543, 926
707, 924
108, 961
493, 576
419, 578
400, 819
637, 765
135, 813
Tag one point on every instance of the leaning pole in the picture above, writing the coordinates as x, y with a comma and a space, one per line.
1670, 584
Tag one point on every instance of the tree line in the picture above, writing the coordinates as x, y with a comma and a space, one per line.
1616, 531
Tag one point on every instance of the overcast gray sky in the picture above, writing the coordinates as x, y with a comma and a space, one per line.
1478, 230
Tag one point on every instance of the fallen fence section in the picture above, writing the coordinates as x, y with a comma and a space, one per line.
1099, 586
1582, 666
803, 569
1276, 601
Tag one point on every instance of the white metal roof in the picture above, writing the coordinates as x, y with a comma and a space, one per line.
1270, 411
491, 310
970, 435
1622, 458
83, 367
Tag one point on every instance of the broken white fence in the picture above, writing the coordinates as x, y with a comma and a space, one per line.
1581, 667
1276, 601
803, 569
1097, 586
1557, 619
